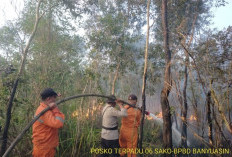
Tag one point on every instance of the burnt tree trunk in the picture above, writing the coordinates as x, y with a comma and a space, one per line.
13, 91
228, 106
184, 109
185, 106
167, 125
217, 129
210, 124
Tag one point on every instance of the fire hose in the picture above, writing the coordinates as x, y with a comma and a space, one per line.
19, 137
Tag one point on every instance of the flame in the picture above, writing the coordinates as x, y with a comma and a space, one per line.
94, 108
91, 112
160, 115
87, 113
192, 117
75, 113
149, 118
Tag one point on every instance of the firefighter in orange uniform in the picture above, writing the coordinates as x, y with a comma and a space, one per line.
45, 129
129, 129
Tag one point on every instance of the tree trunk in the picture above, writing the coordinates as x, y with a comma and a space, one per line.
217, 129
50, 21
10, 102
194, 102
175, 118
167, 125
185, 106
184, 109
219, 107
115, 78
228, 106
144, 77
210, 127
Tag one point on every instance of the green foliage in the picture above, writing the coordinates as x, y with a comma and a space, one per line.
213, 55
9, 39
152, 135
110, 35
181, 18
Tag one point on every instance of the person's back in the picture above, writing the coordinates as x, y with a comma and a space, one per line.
110, 120
109, 133
45, 129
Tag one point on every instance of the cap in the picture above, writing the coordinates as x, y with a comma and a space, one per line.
111, 99
132, 97
48, 92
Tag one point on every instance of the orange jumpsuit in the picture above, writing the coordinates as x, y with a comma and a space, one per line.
129, 130
45, 132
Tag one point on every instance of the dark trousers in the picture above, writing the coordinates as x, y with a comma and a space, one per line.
110, 146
